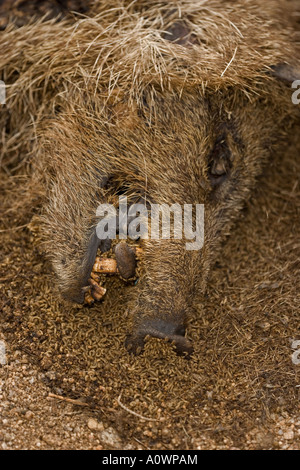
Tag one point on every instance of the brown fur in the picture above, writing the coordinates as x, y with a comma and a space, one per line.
139, 98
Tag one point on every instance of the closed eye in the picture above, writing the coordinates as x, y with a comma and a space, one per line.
219, 162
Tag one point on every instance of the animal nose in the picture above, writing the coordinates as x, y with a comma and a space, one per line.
163, 329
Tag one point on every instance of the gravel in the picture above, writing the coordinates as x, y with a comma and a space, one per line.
30, 419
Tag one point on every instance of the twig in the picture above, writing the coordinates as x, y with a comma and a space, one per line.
139, 442
228, 65
133, 412
69, 400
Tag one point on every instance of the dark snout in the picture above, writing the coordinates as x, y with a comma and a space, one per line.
164, 329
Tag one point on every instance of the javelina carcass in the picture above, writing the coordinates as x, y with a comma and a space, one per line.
163, 102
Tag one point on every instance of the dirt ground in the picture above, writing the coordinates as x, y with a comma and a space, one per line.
239, 390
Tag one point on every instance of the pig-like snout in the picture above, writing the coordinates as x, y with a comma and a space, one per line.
164, 329
165, 296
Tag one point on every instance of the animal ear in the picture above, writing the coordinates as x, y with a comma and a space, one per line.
286, 73
179, 33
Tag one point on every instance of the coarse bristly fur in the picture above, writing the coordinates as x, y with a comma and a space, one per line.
145, 98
